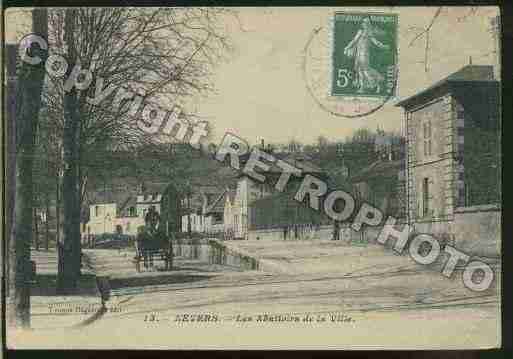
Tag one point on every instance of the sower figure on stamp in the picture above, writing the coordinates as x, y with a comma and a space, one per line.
366, 77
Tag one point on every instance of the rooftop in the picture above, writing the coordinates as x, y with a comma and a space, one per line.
218, 205
379, 168
469, 73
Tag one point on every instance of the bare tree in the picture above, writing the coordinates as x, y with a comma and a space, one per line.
163, 56
69, 245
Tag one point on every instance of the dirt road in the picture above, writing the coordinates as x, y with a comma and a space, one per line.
329, 294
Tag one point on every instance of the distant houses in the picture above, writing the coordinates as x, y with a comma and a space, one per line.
239, 207
238, 211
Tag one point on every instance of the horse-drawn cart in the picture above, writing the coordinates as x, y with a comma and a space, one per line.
150, 244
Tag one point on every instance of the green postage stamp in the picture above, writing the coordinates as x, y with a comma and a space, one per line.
364, 54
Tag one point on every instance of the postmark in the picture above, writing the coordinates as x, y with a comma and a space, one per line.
350, 63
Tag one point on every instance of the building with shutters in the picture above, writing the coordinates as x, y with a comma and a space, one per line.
453, 163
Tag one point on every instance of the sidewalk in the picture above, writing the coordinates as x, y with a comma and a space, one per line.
320, 256
52, 311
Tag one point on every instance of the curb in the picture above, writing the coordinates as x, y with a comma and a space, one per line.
261, 264
103, 288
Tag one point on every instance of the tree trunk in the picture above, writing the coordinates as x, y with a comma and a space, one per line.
36, 229
28, 103
63, 261
58, 231
69, 251
47, 222
10, 164
80, 185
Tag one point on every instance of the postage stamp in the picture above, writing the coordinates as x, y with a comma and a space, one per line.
364, 54
351, 63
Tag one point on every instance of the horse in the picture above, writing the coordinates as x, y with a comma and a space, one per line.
151, 241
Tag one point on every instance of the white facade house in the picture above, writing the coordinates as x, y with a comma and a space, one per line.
237, 214
103, 218
120, 211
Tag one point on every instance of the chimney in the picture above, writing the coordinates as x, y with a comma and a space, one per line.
262, 144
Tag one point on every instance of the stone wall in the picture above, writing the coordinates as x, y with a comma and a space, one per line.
477, 230
438, 229
324, 232
474, 230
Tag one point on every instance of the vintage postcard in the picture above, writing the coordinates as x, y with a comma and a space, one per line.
252, 178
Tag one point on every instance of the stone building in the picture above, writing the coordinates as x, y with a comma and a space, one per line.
453, 159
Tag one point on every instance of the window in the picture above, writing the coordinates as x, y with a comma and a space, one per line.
425, 197
131, 212
426, 134
461, 195
128, 227
218, 217
97, 211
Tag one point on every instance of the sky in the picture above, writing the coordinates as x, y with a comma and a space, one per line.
260, 91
